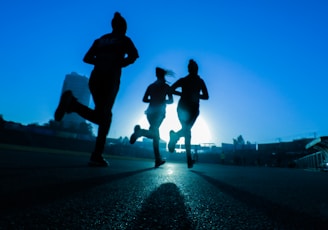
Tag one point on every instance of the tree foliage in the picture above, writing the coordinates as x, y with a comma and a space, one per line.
82, 128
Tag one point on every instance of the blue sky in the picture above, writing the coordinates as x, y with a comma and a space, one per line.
264, 62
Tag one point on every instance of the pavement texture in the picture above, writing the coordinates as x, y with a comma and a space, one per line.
48, 189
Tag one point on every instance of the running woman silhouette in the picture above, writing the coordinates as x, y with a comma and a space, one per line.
108, 54
193, 88
157, 94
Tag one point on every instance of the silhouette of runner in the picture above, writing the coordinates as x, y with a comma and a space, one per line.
193, 89
158, 94
109, 54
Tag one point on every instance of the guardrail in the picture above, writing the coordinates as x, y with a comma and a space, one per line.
317, 160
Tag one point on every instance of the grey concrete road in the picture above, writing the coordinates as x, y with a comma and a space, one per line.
46, 189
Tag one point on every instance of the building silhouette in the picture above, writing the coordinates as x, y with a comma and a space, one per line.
79, 86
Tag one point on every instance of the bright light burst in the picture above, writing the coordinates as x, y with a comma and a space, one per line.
200, 132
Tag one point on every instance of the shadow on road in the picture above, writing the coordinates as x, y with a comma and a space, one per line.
50, 192
163, 209
284, 215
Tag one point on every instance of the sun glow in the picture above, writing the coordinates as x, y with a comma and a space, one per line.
200, 132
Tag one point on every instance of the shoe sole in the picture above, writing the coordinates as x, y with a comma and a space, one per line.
65, 99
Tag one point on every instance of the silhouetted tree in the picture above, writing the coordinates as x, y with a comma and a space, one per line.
239, 142
85, 128
54, 125
82, 128
35, 124
2, 121
125, 140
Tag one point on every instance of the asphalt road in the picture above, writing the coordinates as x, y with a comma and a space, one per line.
46, 189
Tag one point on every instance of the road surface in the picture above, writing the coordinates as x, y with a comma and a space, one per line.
49, 189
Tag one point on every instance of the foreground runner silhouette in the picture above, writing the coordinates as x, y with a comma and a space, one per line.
109, 54
158, 94
193, 89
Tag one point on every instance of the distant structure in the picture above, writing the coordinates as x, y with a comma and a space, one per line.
79, 86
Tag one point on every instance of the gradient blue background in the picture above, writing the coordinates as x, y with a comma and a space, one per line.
265, 62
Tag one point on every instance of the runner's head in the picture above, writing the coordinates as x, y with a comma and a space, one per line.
161, 73
119, 24
192, 67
